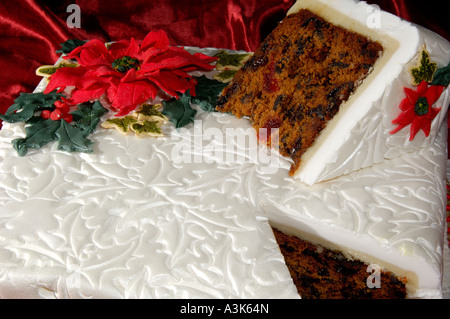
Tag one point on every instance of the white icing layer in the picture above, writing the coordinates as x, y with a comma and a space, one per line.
135, 219
186, 215
128, 222
388, 214
359, 135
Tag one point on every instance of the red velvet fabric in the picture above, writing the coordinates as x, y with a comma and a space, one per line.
31, 30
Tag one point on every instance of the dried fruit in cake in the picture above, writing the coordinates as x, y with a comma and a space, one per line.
298, 78
322, 273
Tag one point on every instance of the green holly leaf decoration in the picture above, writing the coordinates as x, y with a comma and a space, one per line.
442, 76
69, 45
207, 92
72, 139
27, 104
87, 116
37, 135
179, 111
40, 131
425, 70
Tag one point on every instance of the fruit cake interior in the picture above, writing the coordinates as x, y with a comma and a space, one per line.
297, 80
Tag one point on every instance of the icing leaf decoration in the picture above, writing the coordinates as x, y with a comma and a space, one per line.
442, 76
69, 45
425, 70
225, 76
145, 122
27, 104
232, 61
150, 112
150, 128
417, 109
179, 111
37, 135
47, 70
40, 130
122, 124
87, 116
72, 139
207, 92
229, 64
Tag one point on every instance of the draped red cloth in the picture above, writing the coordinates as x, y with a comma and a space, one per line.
31, 30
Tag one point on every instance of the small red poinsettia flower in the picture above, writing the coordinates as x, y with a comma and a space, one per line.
128, 73
417, 109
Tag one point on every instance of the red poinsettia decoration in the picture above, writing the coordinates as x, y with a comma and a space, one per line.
129, 73
417, 109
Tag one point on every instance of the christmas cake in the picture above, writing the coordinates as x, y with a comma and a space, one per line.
118, 179
326, 80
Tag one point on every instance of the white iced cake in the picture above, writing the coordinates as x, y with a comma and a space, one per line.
187, 211
368, 139
309, 52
